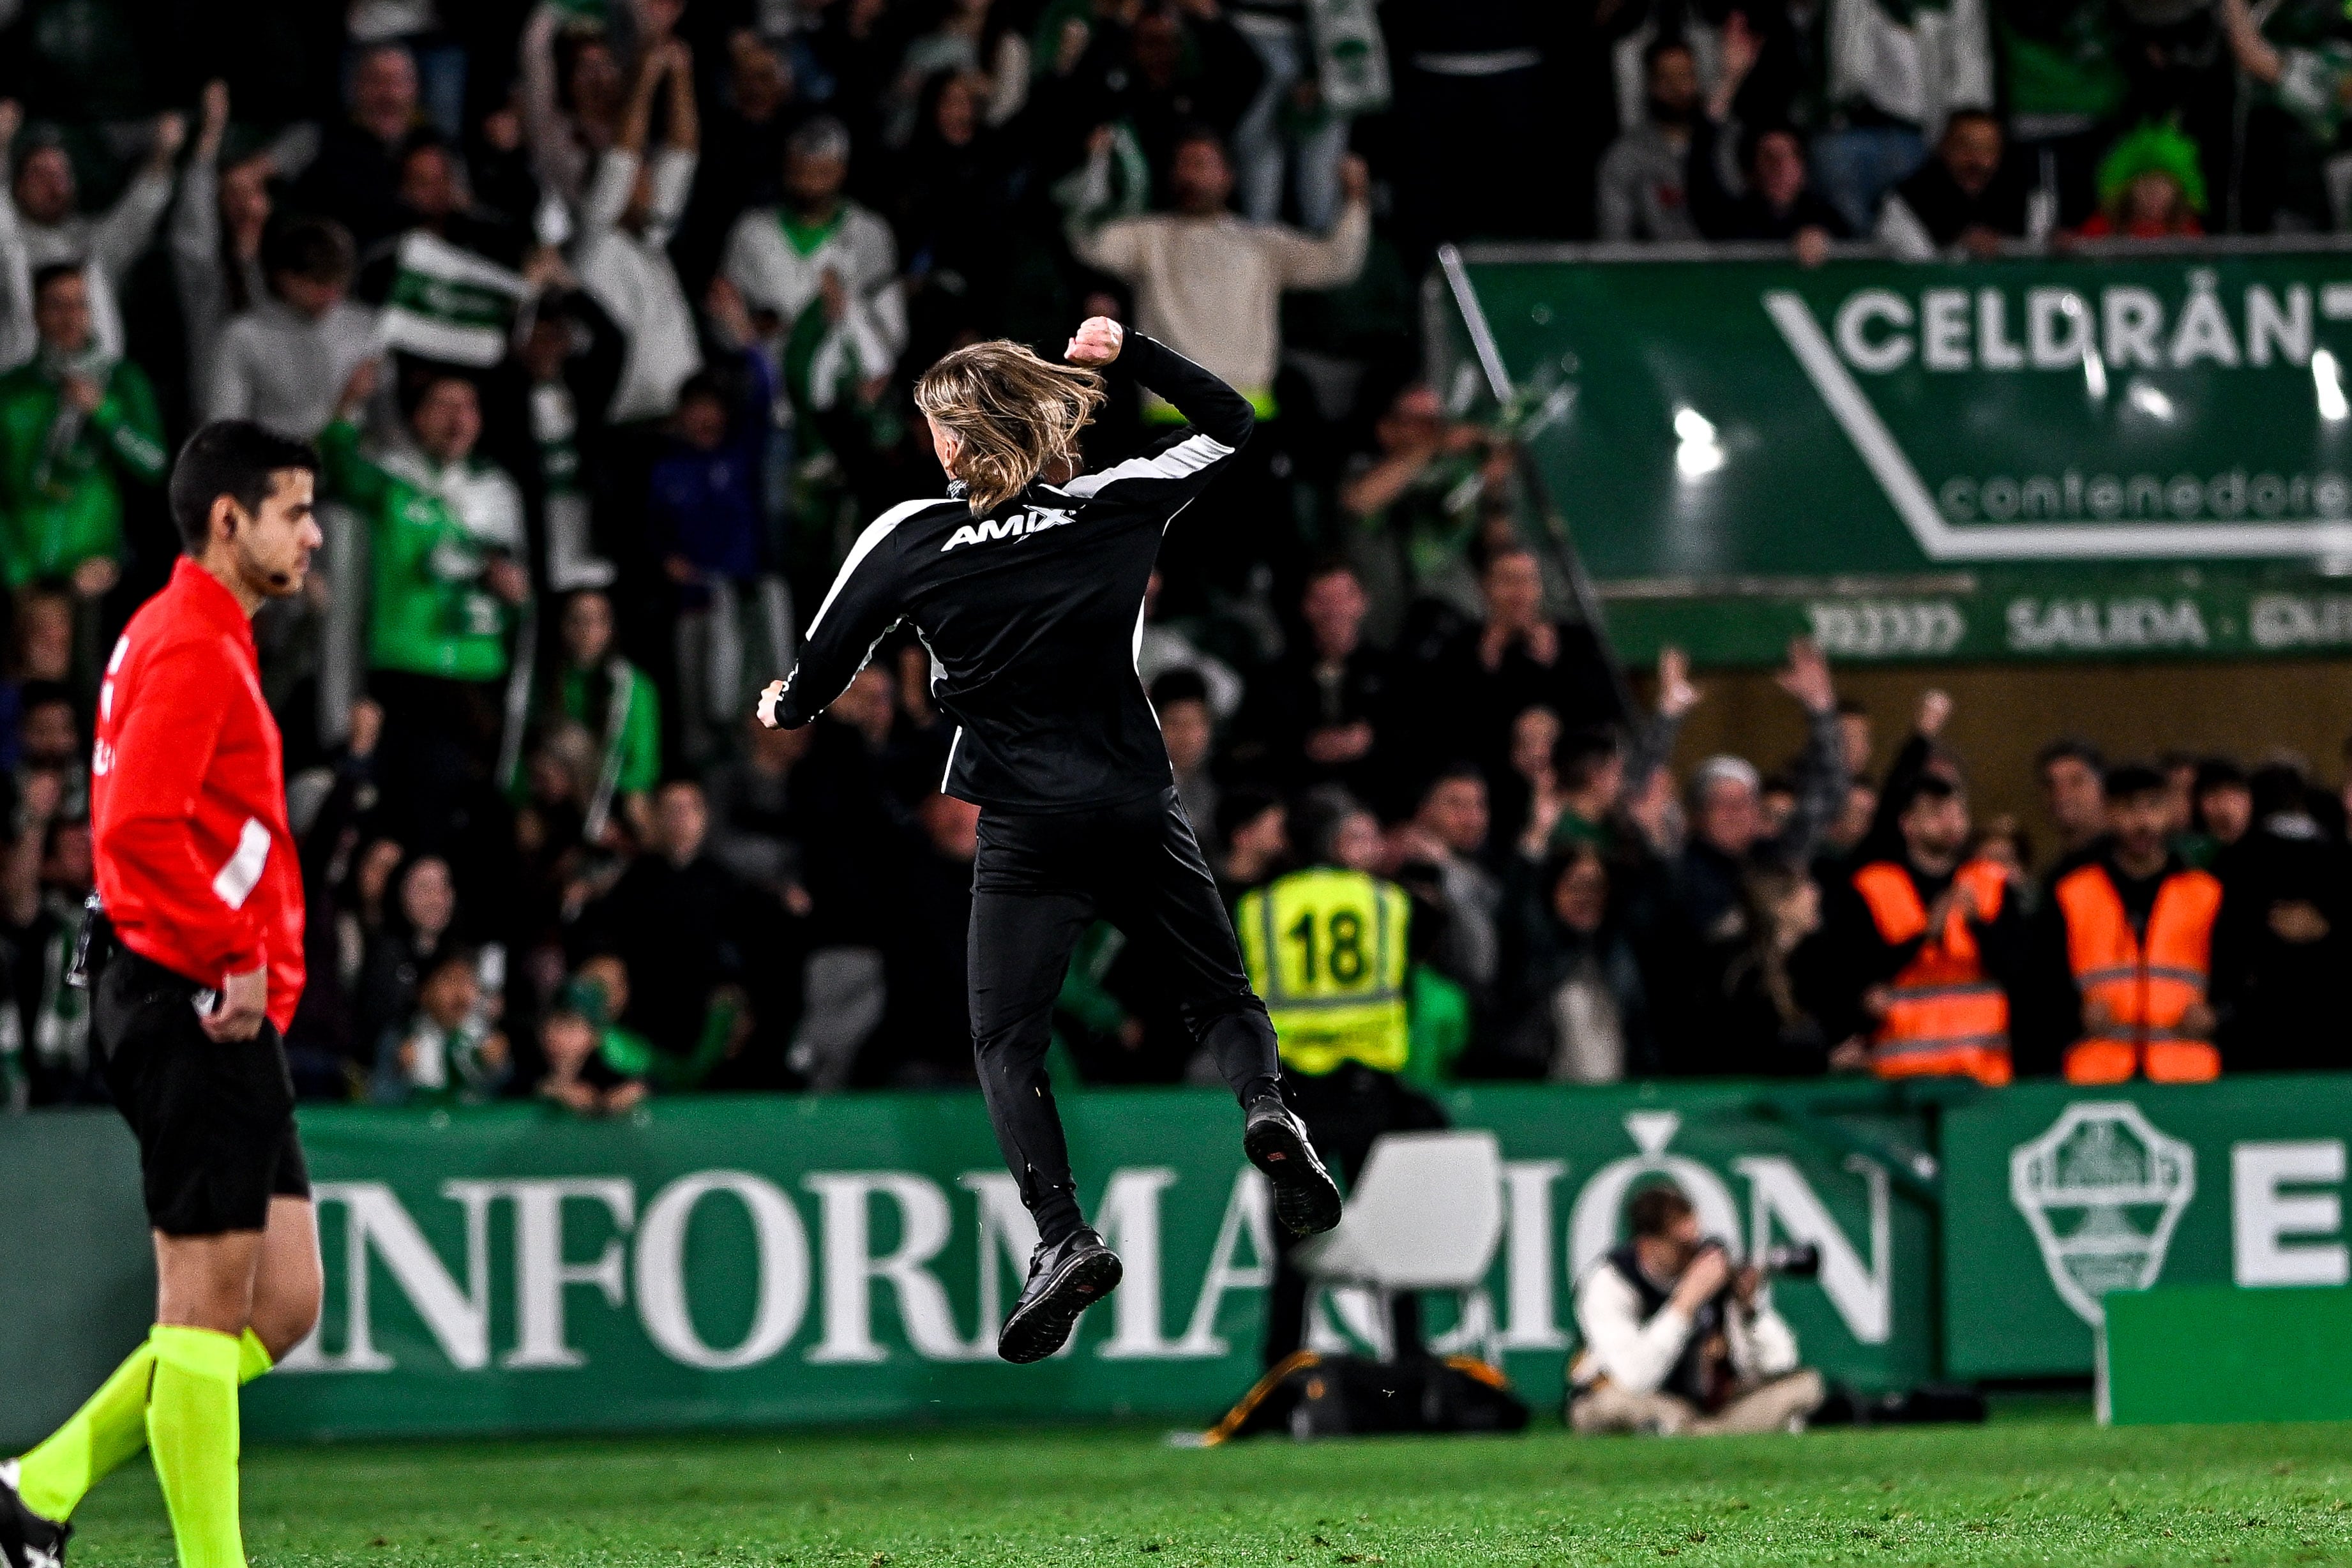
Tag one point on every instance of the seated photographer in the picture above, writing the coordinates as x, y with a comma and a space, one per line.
1678, 1339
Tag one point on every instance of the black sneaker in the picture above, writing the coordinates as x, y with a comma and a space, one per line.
1064, 1281
1306, 1199
26, 1540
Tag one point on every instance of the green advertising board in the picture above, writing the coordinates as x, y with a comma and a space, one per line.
2054, 1196
748, 1261
2261, 1355
2028, 457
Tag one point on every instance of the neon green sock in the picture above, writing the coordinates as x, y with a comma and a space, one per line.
110, 1427
191, 1435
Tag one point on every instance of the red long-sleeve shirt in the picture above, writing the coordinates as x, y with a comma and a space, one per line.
187, 796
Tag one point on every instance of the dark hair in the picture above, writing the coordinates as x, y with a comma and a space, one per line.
704, 385
2070, 747
1557, 863
1579, 754
2278, 787
315, 249
2217, 772
1316, 819
2126, 781
1751, 142
232, 458
1448, 773
1241, 805
419, 378
1657, 1209
1928, 785
1852, 707
45, 276
1179, 685
44, 694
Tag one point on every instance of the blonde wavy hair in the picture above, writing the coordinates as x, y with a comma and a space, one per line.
1013, 415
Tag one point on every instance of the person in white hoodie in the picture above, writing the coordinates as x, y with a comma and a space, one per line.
621, 254
42, 225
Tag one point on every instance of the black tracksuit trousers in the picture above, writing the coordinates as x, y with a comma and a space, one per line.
1038, 881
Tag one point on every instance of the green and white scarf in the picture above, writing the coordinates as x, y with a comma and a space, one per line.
450, 304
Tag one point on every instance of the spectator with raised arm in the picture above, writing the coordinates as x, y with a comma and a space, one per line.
42, 205
1208, 283
620, 253
1926, 941
1419, 499
2298, 61
573, 92
1706, 922
218, 222
1643, 187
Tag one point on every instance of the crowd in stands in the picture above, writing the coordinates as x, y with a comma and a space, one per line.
603, 314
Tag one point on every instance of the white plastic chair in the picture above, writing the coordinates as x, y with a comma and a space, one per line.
1427, 1215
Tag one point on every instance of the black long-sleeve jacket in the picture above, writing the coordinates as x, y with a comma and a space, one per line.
1033, 611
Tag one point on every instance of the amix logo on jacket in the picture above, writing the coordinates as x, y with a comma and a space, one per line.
1036, 519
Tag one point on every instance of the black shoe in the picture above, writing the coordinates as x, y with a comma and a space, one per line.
1306, 1200
26, 1540
1064, 1281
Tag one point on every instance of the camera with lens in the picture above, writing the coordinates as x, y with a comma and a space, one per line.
1794, 1260
1797, 1260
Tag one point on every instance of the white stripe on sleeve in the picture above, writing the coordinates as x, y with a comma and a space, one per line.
876, 533
1189, 456
236, 880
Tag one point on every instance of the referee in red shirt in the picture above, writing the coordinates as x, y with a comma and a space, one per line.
192, 984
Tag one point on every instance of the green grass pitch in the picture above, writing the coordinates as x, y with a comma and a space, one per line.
2038, 1485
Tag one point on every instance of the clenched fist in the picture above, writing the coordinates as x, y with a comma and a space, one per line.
1098, 342
767, 696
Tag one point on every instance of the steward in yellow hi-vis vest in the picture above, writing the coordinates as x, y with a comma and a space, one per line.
1326, 950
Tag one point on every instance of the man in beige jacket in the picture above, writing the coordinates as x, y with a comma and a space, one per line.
1208, 283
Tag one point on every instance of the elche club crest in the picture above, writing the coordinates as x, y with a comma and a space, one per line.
2102, 1191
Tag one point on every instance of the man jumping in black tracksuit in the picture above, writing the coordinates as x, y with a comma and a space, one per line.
1027, 584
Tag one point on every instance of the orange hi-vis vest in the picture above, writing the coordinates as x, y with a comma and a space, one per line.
2145, 986
1949, 1018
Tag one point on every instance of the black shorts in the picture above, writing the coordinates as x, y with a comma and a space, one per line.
214, 1118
